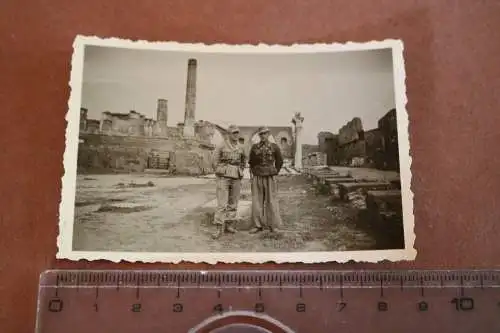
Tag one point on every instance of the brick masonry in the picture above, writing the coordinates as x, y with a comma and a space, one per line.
356, 147
108, 153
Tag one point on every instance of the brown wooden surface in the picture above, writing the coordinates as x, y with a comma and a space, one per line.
453, 81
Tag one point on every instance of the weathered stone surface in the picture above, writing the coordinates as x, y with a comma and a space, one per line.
350, 132
384, 212
327, 175
324, 178
383, 201
106, 153
309, 149
205, 130
388, 128
321, 178
396, 183
190, 105
328, 144
335, 181
314, 159
373, 148
346, 188
161, 117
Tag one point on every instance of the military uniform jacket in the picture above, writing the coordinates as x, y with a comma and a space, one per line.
230, 160
265, 159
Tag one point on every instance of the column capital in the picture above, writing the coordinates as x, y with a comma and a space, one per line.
297, 119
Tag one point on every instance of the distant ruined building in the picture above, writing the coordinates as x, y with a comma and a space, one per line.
357, 147
132, 142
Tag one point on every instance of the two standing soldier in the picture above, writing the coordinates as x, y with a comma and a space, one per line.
265, 161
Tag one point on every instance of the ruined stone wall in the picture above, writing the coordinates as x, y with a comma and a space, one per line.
314, 159
111, 153
354, 146
351, 149
351, 132
350, 154
328, 143
374, 153
92, 126
309, 149
389, 132
132, 123
204, 130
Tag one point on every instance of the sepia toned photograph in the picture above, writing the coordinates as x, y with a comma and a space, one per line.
236, 153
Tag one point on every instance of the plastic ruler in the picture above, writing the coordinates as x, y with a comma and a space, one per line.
268, 301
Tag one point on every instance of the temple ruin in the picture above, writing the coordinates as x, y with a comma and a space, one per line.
132, 142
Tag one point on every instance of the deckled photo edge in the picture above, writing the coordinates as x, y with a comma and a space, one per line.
68, 186
67, 202
405, 159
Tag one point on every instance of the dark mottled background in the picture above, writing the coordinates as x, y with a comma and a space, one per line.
453, 81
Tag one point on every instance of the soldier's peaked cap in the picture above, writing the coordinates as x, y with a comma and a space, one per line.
263, 129
233, 128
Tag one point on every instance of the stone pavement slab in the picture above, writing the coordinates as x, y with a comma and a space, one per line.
345, 188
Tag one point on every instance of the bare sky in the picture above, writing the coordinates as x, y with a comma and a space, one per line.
329, 89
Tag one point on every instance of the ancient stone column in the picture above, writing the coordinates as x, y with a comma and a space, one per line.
297, 121
162, 116
189, 115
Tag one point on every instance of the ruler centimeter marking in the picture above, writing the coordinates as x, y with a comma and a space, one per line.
231, 279
63, 291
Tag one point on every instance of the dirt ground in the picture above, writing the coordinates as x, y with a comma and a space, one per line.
160, 214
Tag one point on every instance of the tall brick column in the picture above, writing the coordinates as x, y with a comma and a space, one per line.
297, 121
162, 116
189, 115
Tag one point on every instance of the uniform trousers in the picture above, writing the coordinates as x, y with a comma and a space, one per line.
228, 195
265, 207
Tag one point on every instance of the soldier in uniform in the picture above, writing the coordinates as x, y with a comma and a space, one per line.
265, 160
230, 161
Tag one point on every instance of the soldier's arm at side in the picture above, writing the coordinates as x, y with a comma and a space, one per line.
278, 158
217, 156
243, 159
251, 159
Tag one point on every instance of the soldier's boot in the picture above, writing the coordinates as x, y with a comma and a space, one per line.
219, 232
255, 230
230, 229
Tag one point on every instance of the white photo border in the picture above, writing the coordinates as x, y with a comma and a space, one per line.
67, 204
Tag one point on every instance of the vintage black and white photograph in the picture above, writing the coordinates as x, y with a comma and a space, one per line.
236, 153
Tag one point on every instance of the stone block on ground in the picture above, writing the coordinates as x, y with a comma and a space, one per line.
324, 173
396, 183
346, 188
385, 208
391, 199
322, 178
334, 181
332, 177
